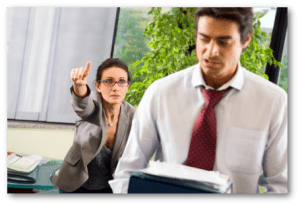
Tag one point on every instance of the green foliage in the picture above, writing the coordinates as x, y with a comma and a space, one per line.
257, 54
168, 47
170, 41
282, 82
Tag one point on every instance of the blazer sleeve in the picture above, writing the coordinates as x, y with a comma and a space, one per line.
82, 107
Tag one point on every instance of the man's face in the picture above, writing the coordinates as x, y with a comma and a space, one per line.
218, 47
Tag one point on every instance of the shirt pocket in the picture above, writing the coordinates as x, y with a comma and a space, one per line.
244, 150
73, 155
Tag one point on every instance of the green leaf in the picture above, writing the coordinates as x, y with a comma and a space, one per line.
265, 76
137, 63
262, 56
260, 14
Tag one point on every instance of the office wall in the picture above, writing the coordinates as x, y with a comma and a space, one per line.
45, 142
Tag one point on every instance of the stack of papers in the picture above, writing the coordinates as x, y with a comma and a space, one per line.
189, 175
25, 164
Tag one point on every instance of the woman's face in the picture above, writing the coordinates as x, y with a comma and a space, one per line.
113, 94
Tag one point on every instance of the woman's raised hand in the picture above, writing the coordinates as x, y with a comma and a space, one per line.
79, 75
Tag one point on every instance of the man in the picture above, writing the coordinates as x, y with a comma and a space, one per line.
250, 119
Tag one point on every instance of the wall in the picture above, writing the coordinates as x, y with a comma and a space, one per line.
46, 140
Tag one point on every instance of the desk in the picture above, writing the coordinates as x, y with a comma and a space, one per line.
42, 175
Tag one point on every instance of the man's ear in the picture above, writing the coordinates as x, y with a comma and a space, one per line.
97, 85
247, 42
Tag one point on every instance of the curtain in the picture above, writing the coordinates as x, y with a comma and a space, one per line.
44, 45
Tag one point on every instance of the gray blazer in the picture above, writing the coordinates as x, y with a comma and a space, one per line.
89, 137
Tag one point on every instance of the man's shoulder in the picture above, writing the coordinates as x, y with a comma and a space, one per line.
262, 85
174, 78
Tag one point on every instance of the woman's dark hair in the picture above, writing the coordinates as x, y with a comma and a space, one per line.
111, 62
242, 16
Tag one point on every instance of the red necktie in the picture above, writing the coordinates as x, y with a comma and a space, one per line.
204, 136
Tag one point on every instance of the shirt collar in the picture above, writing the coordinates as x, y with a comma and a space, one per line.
236, 82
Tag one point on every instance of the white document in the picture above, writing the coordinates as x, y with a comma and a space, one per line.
24, 164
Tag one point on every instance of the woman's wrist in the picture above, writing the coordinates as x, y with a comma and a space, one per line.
80, 90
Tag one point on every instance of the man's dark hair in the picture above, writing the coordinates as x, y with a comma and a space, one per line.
242, 16
111, 62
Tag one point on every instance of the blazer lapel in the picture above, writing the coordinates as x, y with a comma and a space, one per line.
120, 136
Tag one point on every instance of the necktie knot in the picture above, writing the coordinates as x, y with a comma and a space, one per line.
212, 97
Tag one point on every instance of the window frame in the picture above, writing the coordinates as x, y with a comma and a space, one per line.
277, 42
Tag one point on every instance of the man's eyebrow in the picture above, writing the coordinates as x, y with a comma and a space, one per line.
113, 77
219, 37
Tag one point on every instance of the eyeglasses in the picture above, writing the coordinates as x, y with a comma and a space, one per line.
110, 83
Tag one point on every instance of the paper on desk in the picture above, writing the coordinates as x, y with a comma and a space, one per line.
179, 171
36, 157
42, 161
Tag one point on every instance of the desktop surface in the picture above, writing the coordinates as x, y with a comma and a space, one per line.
42, 176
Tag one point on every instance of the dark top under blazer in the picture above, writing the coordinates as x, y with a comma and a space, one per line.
89, 137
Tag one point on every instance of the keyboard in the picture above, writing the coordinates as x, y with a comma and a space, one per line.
22, 164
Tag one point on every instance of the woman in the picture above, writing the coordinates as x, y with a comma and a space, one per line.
101, 131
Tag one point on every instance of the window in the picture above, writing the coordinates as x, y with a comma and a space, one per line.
282, 81
267, 23
44, 45
131, 44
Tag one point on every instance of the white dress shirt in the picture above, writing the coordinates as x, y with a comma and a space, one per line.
251, 129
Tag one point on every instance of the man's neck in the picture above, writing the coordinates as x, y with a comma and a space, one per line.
217, 81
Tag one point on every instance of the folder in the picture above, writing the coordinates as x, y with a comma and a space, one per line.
160, 180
